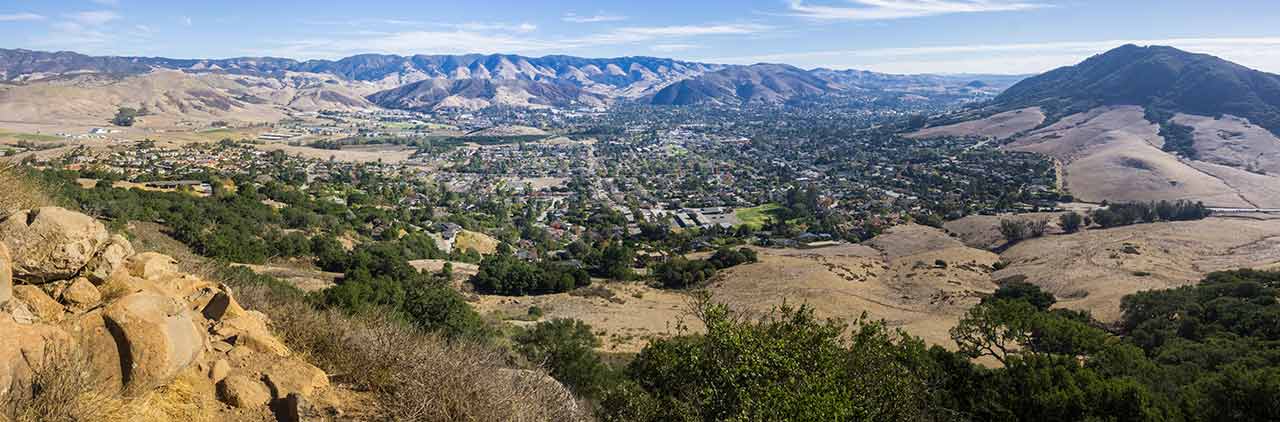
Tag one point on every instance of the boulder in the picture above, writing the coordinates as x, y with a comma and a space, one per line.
45, 308
222, 305
109, 260
51, 243
290, 376
241, 391
151, 265
25, 347
219, 370
81, 295
102, 350
158, 337
249, 331
6, 274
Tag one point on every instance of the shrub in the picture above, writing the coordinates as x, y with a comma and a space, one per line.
566, 347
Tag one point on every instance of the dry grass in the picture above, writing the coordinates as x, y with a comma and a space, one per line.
416, 376
64, 387
20, 192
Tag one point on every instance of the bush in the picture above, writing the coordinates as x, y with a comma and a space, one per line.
786, 366
566, 347
1071, 222
504, 274
680, 273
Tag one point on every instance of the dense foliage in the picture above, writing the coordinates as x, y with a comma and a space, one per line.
679, 272
505, 274
1122, 214
787, 366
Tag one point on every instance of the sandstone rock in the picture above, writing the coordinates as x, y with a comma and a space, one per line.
294, 377
123, 284
51, 243
100, 346
109, 260
25, 348
250, 332
81, 295
6, 274
222, 305
158, 336
293, 408
151, 265
220, 370
44, 306
241, 391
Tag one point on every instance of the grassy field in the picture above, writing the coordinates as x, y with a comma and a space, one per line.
32, 137
756, 217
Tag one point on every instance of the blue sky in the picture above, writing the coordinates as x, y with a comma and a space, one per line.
900, 36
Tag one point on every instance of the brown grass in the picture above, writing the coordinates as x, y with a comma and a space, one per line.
416, 376
63, 387
19, 191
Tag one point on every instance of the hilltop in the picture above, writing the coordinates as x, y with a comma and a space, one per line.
1143, 123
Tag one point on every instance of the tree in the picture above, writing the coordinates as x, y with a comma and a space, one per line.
567, 348
1013, 230
1071, 222
788, 365
125, 116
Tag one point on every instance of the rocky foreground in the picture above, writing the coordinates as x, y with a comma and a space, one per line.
69, 289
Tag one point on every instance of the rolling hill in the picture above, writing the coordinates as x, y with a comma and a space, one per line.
1144, 123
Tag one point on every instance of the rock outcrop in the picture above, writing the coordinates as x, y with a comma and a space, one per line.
51, 243
67, 285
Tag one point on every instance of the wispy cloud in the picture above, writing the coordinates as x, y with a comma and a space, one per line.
671, 48
597, 18
94, 18
1259, 52
499, 38
19, 17
865, 10
635, 34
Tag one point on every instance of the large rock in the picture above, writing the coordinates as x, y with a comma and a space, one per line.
81, 295
102, 350
287, 377
110, 259
6, 274
241, 391
151, 265
158, 337
249, 331
51, 243
39, 302
24, 348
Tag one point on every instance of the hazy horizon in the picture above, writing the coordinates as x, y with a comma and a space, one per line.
1011, 37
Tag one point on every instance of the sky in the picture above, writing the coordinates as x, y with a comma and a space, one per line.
896, 36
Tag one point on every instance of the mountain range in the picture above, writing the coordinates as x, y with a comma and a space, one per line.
243, 87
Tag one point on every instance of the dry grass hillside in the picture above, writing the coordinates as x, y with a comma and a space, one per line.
175, 95
1093, 269
999, 126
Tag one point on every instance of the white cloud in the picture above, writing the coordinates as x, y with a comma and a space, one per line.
597, 18
1018, 58
497, 38
495, 26
635, 34
18, 17
863, 10
94, 18
671, 48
